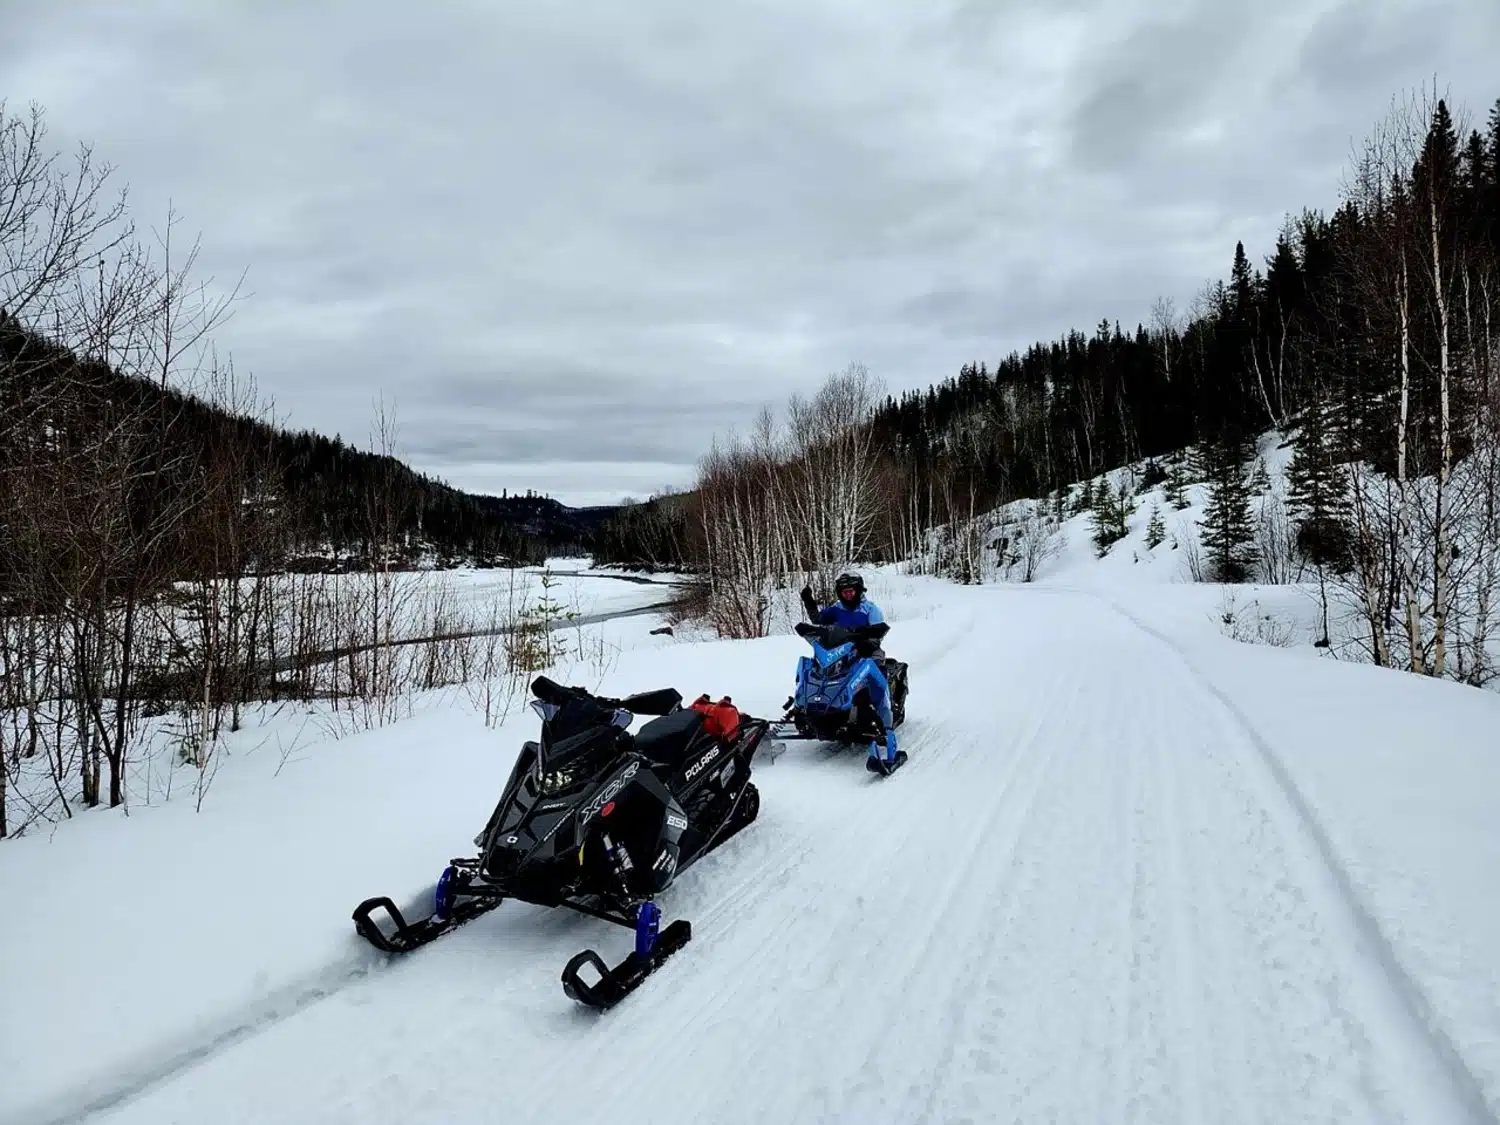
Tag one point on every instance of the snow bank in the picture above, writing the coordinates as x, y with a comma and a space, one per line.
131, 943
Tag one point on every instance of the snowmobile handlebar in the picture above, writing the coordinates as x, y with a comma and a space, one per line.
662, 701
860, 633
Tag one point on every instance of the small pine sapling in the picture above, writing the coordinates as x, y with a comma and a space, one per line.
1156, 529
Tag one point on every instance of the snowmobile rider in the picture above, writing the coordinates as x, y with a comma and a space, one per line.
854, 610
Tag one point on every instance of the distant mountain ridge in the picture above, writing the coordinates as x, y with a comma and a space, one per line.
327, 494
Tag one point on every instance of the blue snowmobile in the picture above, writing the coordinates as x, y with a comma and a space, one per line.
848, 691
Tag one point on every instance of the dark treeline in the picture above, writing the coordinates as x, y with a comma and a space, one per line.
319, 487
649, 534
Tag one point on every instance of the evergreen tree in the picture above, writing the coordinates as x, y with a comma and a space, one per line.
1156, 529
1111, 510
1318, 492
1475, 174
1177, 485
1284, 277
1241, 284
1228, 526
1085, 501
1492, 210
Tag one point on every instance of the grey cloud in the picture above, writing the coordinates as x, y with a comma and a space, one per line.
572, 242
1158, 82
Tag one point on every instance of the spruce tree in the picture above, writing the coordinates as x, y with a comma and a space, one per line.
1085, 501
1228, 527
1493, 207
1239, 279
1177, 485
1318, 492
1110, 513
1201, 461
1156, 529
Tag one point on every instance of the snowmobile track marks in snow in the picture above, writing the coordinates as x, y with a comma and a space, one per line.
1386, 981
175, 1059
998, 874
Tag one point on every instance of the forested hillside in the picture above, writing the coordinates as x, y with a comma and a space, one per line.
1415, 246
1371, 334
319, 488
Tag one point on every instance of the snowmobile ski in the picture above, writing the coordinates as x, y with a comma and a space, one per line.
614, 984
881, 768
449, 912
412, 935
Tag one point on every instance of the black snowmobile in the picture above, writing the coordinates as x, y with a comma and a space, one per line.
599, 821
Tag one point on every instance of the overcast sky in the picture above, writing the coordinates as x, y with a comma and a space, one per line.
571, 240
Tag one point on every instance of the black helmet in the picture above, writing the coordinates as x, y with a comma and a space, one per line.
847, 581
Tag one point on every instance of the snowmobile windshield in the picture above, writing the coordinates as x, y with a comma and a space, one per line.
580, 737
571, 715
830, 642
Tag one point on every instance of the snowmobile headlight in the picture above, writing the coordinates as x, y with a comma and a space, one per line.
555, 781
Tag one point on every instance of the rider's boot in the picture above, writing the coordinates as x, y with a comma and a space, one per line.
885, 759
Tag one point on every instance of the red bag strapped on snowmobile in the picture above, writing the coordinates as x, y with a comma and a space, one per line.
721, 719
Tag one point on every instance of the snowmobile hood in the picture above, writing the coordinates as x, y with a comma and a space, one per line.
539, 828
830, 658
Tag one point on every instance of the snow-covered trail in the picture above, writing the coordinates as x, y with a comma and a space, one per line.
1090, 897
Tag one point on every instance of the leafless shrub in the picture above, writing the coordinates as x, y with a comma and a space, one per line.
1250, 625
1192, 554
495, 679
1029, 542
1279, 560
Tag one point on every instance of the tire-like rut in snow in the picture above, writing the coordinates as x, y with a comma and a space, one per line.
1087, 898
1392, 1000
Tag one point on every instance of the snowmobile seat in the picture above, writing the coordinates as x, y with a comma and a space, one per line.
666, 740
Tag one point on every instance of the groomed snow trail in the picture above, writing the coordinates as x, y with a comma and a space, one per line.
1088, 898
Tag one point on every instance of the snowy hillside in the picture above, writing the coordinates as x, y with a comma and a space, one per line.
1135, 870
1287, 603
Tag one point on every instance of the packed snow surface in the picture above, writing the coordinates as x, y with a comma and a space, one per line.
1133, 871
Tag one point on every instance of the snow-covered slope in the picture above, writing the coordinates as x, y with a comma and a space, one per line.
1134, 871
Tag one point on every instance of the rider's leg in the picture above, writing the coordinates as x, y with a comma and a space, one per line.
884, 747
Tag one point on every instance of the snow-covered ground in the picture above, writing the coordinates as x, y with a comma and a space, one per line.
1134, 871
576, 584
337, 610
1287, 606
